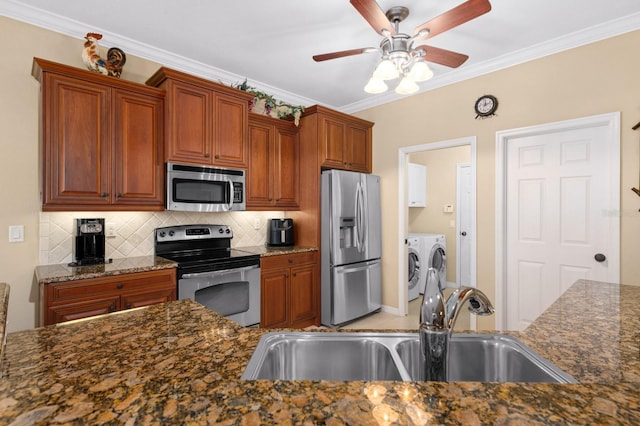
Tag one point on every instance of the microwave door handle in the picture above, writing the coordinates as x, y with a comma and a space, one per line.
230, 205
221, 272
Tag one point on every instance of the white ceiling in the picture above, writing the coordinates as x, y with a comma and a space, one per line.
271, 43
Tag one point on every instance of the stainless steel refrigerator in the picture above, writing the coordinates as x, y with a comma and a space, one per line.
351, 280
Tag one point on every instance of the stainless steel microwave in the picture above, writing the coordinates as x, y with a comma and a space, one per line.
205, 189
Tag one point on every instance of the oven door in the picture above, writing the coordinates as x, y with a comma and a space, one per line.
233, 293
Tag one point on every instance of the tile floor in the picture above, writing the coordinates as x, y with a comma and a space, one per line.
387, 321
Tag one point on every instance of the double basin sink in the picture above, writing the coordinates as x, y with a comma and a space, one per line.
394, 356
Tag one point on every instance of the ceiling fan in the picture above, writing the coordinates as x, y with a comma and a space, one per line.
402, 55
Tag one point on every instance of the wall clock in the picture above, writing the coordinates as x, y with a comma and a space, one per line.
486, 106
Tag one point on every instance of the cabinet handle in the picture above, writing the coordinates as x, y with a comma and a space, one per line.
217, 157
207, 155
270, 199
112, 308
286, 275
118, 195
119, 286
295, 274
104, 194
290, 260
128, 305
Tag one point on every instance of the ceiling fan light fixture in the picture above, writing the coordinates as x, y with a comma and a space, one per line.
420, 71
375, 86
386, 70
407, 87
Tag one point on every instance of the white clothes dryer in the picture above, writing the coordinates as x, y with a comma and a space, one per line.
433, 251
416, 274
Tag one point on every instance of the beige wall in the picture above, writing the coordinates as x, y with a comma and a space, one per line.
594, 79
441, 189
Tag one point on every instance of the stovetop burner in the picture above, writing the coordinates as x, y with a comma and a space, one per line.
202, 247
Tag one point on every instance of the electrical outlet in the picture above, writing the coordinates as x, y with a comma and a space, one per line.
110, 230
256, 224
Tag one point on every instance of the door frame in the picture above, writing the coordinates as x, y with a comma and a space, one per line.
612, 121
459, 215
403, 211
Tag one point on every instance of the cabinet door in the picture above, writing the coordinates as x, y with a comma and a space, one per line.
259, 173
189, 115
303, 292
332, 140
358, 148
138, 150
286, 170
230, 131
154, 297
273, 298
76, 142
82, 309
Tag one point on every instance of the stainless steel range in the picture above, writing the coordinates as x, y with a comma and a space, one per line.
210, 272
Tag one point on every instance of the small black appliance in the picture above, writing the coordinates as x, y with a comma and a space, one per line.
88, 244
280, 232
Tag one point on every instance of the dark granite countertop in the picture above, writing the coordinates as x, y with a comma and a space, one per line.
264, 251
179, 363
48, 274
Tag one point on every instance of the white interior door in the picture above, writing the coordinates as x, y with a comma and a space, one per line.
464, 236
558, 216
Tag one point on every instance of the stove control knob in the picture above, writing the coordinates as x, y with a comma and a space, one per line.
171, 233
221, 230
162, 234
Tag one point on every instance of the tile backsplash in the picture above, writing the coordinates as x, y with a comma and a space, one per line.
132, 232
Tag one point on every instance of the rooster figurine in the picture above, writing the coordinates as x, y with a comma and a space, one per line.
115, 57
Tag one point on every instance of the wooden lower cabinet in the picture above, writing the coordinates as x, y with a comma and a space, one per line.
71, 300
289, 291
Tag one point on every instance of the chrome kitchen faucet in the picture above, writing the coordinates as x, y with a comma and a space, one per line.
437, 319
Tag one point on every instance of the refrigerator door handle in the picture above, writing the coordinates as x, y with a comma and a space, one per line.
360, 214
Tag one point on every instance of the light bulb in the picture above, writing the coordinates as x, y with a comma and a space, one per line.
420, 71
375, 85
407, 87
386, 70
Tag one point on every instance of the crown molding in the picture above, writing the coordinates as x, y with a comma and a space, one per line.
579, 38
76, 29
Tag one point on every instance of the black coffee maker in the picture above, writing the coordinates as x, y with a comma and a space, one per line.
89, 242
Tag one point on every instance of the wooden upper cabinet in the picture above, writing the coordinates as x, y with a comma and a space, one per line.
102, 141
274, 164
187, 120
139, 173
344, 141
206, 122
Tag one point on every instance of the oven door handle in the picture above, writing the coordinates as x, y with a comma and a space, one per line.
222, 272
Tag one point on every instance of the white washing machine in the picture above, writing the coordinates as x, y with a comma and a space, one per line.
433, 253
416, 275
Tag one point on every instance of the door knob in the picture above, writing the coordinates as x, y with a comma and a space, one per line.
463, 233
599, 257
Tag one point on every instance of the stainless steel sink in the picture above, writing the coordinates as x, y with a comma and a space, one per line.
394, 356
321, 356
487, 358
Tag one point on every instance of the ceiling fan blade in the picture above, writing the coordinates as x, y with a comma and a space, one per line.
443, 57
465, 12
334, 55
372, 13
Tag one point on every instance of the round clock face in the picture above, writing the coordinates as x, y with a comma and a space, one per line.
486, 105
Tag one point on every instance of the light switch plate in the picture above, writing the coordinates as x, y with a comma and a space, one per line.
16, 233
447, 208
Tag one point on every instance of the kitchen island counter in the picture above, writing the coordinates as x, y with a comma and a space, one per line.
179, 363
